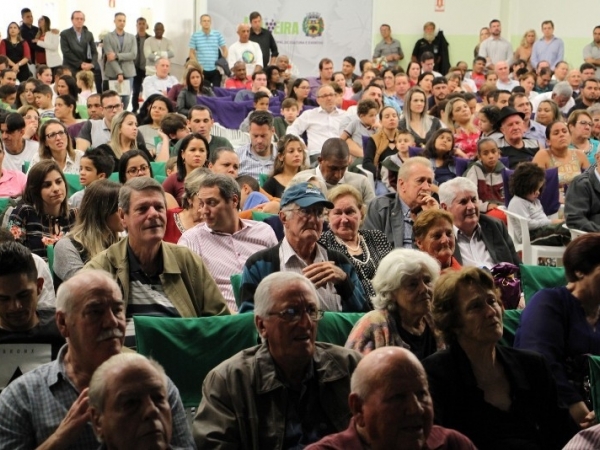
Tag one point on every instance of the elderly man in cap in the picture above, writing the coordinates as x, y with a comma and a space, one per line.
48, 407
287, 392
302, 214
392, 408
512, 144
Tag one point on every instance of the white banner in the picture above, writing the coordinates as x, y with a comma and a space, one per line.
306, 30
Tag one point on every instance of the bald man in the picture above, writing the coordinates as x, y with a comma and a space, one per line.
245, 50
391, 408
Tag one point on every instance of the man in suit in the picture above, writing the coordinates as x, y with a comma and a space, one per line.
332, 169
78, 46
120, 51
481, 240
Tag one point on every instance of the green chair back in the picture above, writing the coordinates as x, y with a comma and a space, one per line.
114, 177
510, 320
4, 204
535, 278
262, 178
189, 348
260, 216
50, 256
25, 167
73, 183
83, 111
335, 327
236, 285
159, 169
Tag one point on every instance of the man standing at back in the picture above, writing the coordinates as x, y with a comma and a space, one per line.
29, 31
548, 48
156, 47
264, 38
388, 48
120, 51
204, 48
78, 46
140, 62
496, 48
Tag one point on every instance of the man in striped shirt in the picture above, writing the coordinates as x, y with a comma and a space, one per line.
204, 48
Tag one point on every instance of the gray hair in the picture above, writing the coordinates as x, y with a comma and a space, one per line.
157, 62
393, 270
70, 291
191, 185
228, 187
408, 165
138, 184
594, 110
450, 189
100, 380
563, 89
264, 298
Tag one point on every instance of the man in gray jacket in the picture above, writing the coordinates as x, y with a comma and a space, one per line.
120, 51
582, 201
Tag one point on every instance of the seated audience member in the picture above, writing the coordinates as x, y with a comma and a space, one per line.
193, 153
259, 83
66, 85
141, 261
440, 150
299, 90
97, 228
512, 144
12, 182
302, 214
8, 96
332, 169
261, 103
65, 110
95, 164
415, 118
403, 285
588, 438
85, 83
124, 138
363, 125
363, 248
290, 160
434, 234
561, 94
173, 128
383, 143
250, 195
320, 123
236, 410
171, 165
460, 122
238, 79
94, 107
194, 87
392, 408
181, 219
393, 213
258, 156
43, 101
486, 174
274, 83
21, 322
200, 120
581, 124
582, 201
158, 108
497, 396
42, 216
225, 161
223, 240
569, 161
391, 164
481, 240
547, 112
55, 145
526, 184
176, 89
32, 122
289, 113
48, 406
325, 76
128, 388
18, 149
96, 132
562, 324
533, 129
161, 82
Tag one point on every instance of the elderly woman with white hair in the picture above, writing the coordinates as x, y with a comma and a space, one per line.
403, 285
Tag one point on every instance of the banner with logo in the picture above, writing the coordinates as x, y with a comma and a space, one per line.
305, 31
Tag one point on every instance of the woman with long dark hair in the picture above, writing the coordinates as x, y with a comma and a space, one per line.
194, 87
17, 50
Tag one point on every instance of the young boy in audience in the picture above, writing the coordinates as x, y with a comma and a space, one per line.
175, 127
391, 165
486, 173
361, 126
289, 113
95, 164
171, 165
250, 192
8, 96
261, 103
43, 100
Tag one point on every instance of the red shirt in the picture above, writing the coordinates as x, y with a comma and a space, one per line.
234, 83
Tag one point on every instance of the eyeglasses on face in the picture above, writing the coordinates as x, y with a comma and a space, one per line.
294, 314
113, 107
55, 135
136, 170
318, 211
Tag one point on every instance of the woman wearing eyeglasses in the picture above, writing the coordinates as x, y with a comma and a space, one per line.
55, 144
580, 125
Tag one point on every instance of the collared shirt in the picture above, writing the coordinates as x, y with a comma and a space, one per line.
385, 49
592, 51
267, 44
252, 164
235, 83
496, 50
319, 125
291, 262
207, 47
473, 249
552, 51
225, 254
15, 162
535, 102
394, 101
71, 164
408, 241
12, 183
319, 175
536, 131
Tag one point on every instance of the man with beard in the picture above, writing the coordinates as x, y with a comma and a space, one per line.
591, 52
439, 91
481, 240
496, 48
425, 44
589, 95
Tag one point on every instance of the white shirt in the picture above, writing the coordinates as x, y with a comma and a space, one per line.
155, 85
508, 86
15, 162
319, 126
248, 52
71, 165
535, 102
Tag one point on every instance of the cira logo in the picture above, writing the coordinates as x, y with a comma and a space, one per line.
313, 25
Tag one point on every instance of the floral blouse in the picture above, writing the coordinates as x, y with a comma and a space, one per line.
466, 141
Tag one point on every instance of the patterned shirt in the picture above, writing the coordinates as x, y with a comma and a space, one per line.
252, 164
207, 47
225, 254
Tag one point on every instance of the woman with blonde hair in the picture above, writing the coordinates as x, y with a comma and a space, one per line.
523, 51
460, 123
484, 33
85, 82
47, 39
123, 136
415, 118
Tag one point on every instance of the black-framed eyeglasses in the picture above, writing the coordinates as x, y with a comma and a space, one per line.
113, 107
55, 134
136, 170
294, 314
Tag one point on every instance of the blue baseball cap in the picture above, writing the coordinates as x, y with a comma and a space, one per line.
304, 195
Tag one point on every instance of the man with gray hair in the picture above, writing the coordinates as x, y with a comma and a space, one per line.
129, 405
157, 278
287, 392
394, 213
481, 240
47, 408
223, 240
161, 81
562, 95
